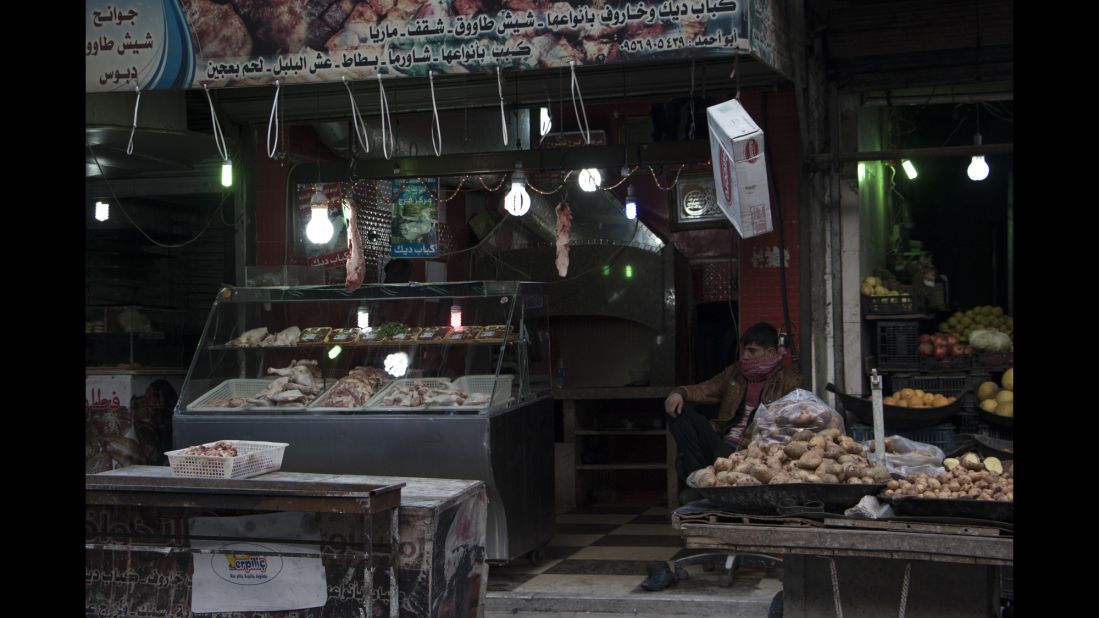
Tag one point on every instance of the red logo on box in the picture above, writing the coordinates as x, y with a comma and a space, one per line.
751, 150
726, 178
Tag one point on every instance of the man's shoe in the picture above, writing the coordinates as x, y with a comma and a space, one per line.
660, 577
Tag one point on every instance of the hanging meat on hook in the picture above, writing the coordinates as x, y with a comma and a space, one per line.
356, 264
564, 224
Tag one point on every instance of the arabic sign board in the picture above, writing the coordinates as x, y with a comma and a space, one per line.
180, 44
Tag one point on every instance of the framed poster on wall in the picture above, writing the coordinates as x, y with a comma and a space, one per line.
415, 218
693, 203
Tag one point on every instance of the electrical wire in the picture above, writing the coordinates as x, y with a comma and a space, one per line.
384, 107
503, 119
273, 147
137, 103
574, 88
219, 137
436, 125
357, 120
118, 203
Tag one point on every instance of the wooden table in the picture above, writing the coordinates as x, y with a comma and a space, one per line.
951, 564
139, 556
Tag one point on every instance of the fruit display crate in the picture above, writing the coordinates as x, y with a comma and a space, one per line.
949, 364
941, 436
898, 345
901, 304
994, 360
953, 385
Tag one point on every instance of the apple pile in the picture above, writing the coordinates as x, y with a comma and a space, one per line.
942, 345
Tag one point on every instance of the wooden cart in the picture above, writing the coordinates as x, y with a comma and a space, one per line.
862, 568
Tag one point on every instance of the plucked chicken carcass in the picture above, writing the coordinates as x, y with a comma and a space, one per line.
564, 225
250, 338
285, 337
297, 384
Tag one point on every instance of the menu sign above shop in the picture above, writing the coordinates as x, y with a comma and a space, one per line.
179, 44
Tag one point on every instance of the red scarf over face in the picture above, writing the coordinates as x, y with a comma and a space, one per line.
756, 371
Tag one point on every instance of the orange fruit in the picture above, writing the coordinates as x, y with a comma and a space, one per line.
889, 401
928, 398
902, 403
906, 393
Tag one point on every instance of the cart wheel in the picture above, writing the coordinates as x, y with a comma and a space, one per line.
775, 611
536, 556
726, 580
681, 573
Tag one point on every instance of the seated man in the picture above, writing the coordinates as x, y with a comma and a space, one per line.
758, 377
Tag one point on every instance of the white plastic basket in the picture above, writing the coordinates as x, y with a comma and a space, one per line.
374, 403
237, 387
253, 459
484, 383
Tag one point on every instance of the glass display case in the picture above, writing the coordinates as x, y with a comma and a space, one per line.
439, 380
456, 348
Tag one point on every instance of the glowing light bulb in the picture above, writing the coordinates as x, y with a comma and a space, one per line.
396, 364
334, 352
364, 319
319, 230
631, 204
978, 169
102, 211
629, 271
517, 201
590, 179
862, 171
909, 169
227, 174
456, 317
545, 124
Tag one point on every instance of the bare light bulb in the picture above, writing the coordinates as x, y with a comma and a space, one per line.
456, 318
517, 201
102, 211
363, 319
909, 169
227, 174
978, 168
396, 364
319, 230
631, 204
590, 179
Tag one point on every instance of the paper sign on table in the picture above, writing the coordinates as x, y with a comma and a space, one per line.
255, 577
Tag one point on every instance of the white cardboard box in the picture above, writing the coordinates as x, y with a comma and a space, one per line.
740, 169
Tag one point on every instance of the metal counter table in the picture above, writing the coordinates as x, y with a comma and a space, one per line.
138, 552
951, 563
510, 449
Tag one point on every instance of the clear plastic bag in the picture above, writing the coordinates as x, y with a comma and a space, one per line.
778, 421
909, 457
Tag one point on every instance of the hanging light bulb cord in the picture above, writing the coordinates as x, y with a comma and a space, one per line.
357, 120
503, 118
384, 107
575, 91
219, 137
137, 103
273, 121
437, 128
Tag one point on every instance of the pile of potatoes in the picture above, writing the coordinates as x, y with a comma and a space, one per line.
966, 478
827, 456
